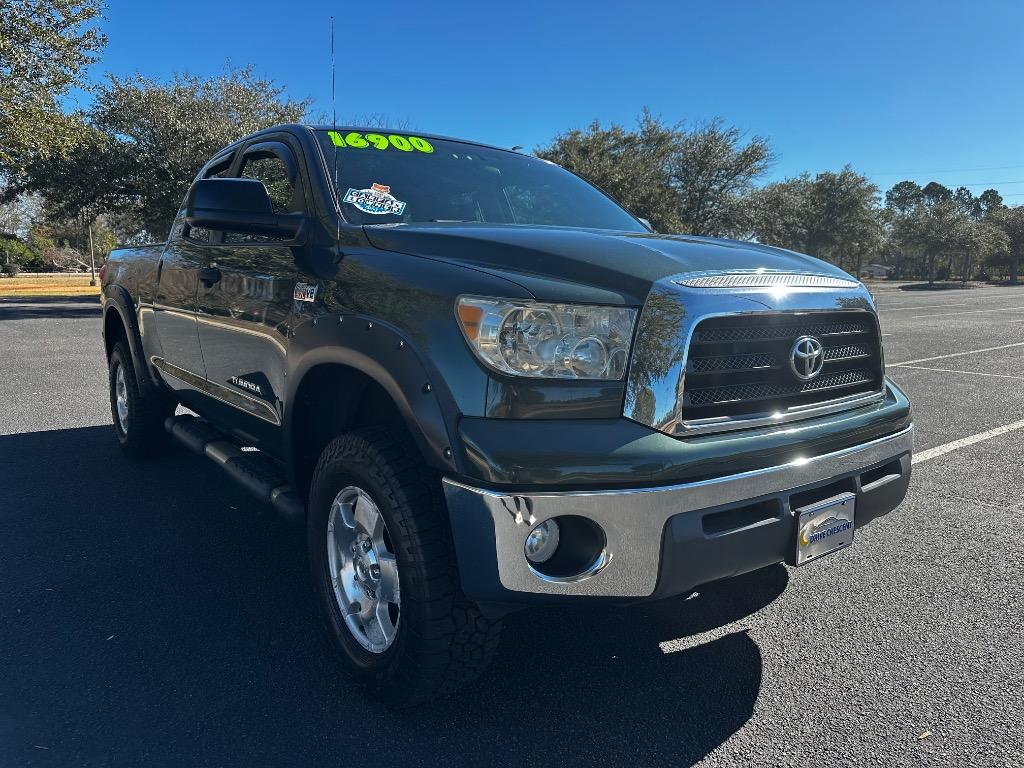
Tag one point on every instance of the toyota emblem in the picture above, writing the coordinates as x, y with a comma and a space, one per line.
806, 358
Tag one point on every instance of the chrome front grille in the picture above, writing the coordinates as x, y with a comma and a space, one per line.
765, 391
733, 363
753, 331
739, 366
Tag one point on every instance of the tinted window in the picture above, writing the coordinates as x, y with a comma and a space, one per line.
388, 178
272, 171
285, 195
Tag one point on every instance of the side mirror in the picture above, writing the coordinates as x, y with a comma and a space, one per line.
238, 205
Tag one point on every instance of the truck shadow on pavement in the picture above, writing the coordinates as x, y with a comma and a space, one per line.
49, 307
151, 614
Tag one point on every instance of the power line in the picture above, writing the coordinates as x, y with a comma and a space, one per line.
948, 170
987, 183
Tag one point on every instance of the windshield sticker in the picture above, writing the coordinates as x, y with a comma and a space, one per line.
304, 292
377, 200
358, 140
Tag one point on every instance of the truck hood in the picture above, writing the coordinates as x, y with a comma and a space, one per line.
582, 265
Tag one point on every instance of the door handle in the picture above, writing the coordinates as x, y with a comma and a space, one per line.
208, 276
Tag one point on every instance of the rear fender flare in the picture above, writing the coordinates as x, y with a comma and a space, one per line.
117, 300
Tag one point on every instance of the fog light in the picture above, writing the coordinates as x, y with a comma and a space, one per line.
542, 542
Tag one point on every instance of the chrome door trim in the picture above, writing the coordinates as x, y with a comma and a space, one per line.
250, 405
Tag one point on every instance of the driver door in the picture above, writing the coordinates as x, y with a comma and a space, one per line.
174, 305
245, 302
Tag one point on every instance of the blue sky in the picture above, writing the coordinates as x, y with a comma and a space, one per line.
899, 89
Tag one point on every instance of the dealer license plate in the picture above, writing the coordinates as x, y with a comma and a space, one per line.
824, 527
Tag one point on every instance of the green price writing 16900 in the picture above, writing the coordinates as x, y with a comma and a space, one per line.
380, 141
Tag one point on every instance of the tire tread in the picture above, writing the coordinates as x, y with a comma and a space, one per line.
449, 641
148, 408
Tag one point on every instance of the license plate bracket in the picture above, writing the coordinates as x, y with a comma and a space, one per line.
824, 527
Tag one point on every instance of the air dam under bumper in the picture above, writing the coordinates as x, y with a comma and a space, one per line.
666, 540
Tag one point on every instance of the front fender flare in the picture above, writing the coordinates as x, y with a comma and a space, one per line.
387, 356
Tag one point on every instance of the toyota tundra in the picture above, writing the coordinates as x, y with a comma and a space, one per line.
481, 384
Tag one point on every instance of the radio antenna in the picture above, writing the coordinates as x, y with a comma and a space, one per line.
334, 138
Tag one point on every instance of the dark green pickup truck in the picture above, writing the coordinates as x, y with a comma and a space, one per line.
481, 384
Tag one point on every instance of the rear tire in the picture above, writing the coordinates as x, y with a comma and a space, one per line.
440, 639
138, 413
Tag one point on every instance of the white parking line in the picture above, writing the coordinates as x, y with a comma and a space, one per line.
963, 442
953, 354
954, 370
970, 312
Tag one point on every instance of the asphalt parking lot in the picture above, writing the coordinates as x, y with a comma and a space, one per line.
151, 615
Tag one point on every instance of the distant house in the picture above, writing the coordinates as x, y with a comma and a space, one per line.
876, 270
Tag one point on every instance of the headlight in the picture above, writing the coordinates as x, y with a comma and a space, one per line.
551, 341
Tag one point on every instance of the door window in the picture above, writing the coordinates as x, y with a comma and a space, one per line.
280, 179
271, 170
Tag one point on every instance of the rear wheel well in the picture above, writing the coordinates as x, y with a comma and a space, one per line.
113, 331
331, 400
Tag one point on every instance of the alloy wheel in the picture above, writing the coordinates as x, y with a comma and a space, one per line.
363, 569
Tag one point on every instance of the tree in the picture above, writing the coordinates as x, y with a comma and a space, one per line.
848, 224
18, 215
631, 166
782, 213
714, 171
682, 180
45, 49
1011, 221
934, 226
904, 197
142, 142
968, 204
930, 230
14, 251
980, 242
834, 216
934, 193
990, 201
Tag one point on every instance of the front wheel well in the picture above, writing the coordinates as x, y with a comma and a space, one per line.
333, 399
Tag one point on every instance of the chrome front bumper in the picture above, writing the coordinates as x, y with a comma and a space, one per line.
490, 527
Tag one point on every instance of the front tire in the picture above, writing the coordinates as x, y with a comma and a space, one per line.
384, 568
138, 414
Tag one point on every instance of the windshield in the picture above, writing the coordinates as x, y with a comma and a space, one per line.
401, 178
